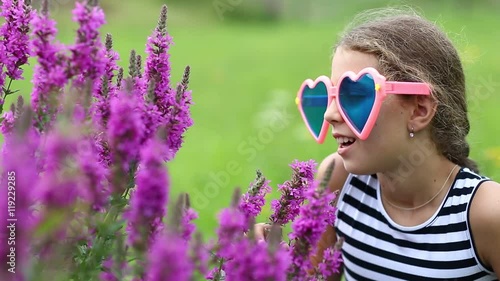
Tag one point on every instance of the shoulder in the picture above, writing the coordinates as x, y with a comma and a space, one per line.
338, 176
484, 218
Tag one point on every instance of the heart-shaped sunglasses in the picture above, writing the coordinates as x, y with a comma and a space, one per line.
358, 98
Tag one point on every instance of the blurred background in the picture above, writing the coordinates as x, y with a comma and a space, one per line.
248, 58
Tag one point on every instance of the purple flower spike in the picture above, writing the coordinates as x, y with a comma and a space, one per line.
108, 273
125, 129
50, 74
7, 123
105, 88
308, 227
183, 216
168, 260
232, 224
332, 260
148, 201
3, 58
171, 106
88, 53
188, 226
251, 203
287, 207
15, 33
179, 118
57, 187
256, 262
93, 175
157, 70
199, 255
152, 120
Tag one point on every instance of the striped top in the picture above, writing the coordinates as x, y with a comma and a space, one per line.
377, 248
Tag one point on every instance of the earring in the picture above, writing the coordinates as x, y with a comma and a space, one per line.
412, 132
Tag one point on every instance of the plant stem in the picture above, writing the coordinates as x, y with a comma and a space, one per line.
218, 275
120, 256
6, 92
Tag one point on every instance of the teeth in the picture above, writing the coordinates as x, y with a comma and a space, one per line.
344, 140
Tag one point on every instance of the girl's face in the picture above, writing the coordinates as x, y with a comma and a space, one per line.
388, 142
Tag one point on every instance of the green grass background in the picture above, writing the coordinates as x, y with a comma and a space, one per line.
245, 73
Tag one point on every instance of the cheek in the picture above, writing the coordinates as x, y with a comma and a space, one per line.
393, 117
390, 128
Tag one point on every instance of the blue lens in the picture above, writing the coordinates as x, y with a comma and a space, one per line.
314, 102
356, 99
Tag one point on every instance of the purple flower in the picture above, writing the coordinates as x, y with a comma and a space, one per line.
111, 66
245, 259
232, 224
109, 265
101, 107
188, 227
105, 88
308, 227
287, 207
7, 123
140, 84
125, 129
171, 107
251, 203
70, 172
168, 260
157, 70
50, 74
17, 178
152, 120
199, 255
103, 150
179, 118
256, 262
269, 265
15, 41
240, 265
332, 260
89, 57
93, 180
107, 274
58, 186
3, 58
148, 201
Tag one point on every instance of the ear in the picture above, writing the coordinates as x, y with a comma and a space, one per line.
423, 109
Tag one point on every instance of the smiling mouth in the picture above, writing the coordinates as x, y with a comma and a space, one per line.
345, 141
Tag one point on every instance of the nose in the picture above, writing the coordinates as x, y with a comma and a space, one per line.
332, 114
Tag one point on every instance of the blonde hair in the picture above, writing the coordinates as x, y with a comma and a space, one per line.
411, 48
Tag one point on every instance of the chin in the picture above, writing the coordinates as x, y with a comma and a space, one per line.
358, 167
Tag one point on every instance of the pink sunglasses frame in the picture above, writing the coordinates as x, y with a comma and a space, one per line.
382, 89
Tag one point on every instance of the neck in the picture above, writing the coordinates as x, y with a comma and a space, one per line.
410, 186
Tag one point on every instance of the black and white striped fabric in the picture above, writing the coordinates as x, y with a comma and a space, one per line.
377, 248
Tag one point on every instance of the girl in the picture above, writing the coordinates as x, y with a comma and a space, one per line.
412, 205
